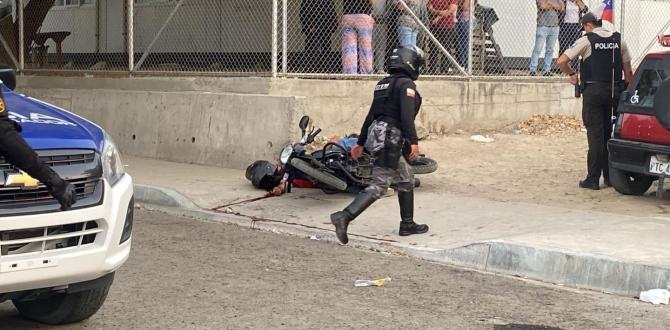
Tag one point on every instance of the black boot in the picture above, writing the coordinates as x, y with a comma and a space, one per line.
407, 224
342, 218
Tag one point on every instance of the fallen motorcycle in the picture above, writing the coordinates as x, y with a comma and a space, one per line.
332, 166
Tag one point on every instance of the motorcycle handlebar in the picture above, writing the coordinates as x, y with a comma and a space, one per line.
311, 137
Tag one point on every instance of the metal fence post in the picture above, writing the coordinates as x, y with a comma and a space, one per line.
284, 46
471, 46
131, 37
275, 21
22, 55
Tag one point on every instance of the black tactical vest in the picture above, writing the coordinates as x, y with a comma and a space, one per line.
386, 101
605, 63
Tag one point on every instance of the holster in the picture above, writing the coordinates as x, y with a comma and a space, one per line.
389, 156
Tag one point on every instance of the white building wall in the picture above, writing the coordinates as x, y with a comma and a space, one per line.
81, 22
245, 26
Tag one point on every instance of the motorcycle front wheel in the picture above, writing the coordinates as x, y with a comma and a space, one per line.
323, 177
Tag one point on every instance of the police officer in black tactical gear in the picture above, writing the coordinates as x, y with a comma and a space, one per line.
604, 58
389, 134
15, 150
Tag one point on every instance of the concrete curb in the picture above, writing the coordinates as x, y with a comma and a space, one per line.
583, 271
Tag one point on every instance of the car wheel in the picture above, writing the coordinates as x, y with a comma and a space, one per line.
629, 183
64, 308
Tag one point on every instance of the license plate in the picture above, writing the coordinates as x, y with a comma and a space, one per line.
659, 166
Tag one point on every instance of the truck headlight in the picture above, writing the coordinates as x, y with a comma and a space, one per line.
112, 167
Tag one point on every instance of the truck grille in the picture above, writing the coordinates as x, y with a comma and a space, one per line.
42, 239
82, 168
57, 160
16, 197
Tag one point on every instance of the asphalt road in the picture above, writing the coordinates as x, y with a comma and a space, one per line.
190, 274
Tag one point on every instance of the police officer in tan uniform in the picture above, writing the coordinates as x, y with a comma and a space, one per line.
605, 64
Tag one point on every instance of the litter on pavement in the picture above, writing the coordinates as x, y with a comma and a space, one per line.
656, 296
482, 138
379, 282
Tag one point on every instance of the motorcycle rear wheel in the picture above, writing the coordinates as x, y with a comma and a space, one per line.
323, 177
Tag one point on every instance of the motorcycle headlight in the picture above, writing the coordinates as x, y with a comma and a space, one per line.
112, 167
286, 154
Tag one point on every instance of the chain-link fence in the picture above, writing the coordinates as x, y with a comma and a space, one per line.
641, 22
330, 38
233, 36
72, 35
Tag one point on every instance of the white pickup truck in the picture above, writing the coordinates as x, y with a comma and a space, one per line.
57, 267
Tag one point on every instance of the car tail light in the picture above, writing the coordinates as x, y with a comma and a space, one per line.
643, 128
617, 126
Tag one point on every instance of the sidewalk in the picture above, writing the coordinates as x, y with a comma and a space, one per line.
586, 249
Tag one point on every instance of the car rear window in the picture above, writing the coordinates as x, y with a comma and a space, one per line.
650, 75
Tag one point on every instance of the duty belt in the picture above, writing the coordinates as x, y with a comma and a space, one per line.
389, 120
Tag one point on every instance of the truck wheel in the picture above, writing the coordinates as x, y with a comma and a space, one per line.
64, 308
323, 177
628, 183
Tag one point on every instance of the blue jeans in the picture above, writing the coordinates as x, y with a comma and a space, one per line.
545, 35
463, 29
407, 36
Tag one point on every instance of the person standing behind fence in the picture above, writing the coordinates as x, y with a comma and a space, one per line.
570, 29
357, 24
463, 31
546, 34
408, 28
443, 25
319, 22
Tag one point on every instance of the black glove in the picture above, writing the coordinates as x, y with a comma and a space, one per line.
65, 194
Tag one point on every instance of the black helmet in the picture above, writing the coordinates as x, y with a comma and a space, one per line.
407, 60
264, 174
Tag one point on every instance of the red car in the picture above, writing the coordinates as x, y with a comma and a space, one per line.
639, 152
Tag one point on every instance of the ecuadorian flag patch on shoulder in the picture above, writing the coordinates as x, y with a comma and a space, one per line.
411, 92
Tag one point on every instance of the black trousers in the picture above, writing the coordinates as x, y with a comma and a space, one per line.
597, 102
18, 153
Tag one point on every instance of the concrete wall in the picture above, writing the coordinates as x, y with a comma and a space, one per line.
208, 120
339, 107
229, 130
